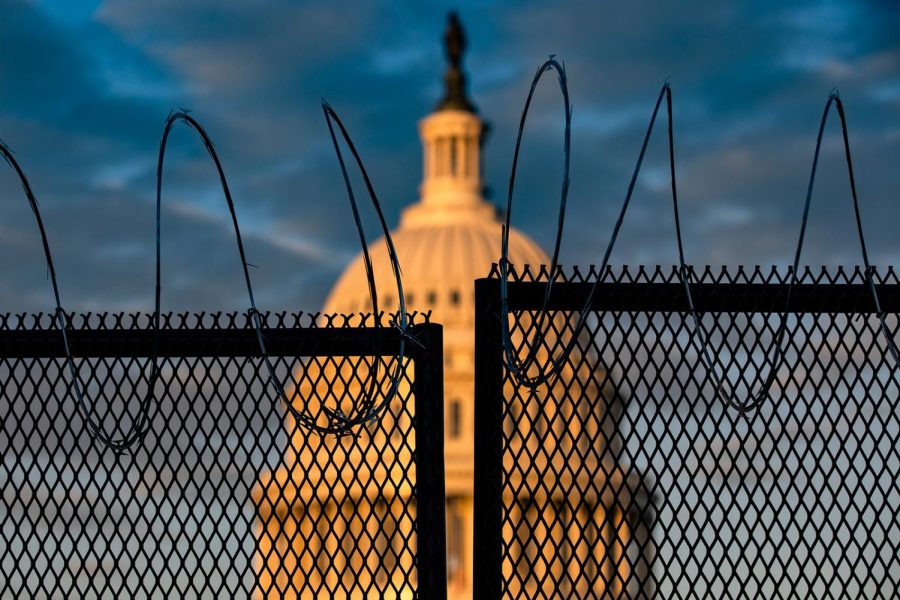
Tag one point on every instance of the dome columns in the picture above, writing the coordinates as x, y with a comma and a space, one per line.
451, 141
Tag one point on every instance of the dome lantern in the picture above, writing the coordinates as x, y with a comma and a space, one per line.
451, 136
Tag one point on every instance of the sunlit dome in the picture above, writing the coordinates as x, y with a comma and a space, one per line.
451, 236
441, 254
444, 242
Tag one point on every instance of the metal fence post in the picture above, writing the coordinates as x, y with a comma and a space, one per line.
488, 502
428, 385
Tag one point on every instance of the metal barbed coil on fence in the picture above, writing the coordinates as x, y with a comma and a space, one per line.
138, 427
519, 368
367, 409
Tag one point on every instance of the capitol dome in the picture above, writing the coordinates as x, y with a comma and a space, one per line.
444, 242
441, 254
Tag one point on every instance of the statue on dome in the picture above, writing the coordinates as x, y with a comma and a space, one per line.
454, 79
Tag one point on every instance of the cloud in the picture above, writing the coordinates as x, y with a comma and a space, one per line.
86, 93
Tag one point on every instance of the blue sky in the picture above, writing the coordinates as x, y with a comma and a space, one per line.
85, 88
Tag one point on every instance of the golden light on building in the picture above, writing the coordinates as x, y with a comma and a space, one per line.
444, 242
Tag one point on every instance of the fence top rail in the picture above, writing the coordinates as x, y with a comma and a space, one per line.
698, 274
206, 334
756, 290
199, 320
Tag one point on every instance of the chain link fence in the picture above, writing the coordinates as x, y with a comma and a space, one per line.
224, 496
627, 476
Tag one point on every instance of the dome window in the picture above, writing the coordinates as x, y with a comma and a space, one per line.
455, 297
455, 419
454, 159
441, 151
432, 298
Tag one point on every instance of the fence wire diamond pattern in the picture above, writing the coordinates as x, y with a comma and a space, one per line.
224, 497
627, 476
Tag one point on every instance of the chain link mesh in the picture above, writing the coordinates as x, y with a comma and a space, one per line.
224, 497
626, 476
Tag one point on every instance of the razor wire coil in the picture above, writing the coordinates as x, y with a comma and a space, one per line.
367, 409
519, 368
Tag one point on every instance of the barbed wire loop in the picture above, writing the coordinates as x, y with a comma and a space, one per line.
139, 426
337, 422
370, 409
519, 368
773, 365
553, 368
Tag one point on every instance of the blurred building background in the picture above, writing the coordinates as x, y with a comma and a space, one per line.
444, 242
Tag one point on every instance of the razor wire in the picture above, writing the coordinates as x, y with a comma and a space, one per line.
337, 423
140, 426
700, 333
370, 409
518, 368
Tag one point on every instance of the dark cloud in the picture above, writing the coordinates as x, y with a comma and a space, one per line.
85, 94
748, 98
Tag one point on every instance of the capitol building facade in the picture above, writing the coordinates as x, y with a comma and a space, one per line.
444, 242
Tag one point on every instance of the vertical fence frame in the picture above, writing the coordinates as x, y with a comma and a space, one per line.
488, 493
431, 504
